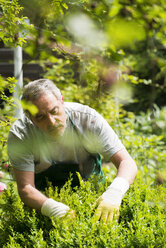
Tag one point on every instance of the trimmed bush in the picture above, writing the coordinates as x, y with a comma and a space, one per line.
141, 224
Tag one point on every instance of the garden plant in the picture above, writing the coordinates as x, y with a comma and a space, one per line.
136, 111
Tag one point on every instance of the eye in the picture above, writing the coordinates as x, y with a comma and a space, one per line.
55, 111
40, 117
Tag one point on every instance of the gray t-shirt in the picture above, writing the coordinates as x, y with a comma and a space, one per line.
30, 149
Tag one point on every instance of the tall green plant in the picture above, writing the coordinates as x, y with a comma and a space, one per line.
11, 23
6, 116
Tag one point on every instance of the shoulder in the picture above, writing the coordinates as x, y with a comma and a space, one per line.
78, 109
21, 127
83, 115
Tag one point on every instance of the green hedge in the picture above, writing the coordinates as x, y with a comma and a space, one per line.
141, 224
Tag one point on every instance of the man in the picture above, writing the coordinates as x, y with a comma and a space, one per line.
62, 138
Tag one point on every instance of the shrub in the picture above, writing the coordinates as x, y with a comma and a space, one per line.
141, 223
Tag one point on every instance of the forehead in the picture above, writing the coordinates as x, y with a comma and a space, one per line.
46, 101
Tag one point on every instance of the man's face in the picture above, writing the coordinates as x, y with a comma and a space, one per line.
51, 116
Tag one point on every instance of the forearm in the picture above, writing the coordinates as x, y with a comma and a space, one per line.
48, 207
127, 170
111, 199
35, 199
32, 197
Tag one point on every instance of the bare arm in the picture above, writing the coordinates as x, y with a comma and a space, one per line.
125, 165
26, 189
35, 199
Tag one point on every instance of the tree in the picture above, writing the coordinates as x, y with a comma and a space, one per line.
11, 23
131, 31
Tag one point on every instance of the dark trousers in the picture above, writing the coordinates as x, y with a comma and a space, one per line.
58, 175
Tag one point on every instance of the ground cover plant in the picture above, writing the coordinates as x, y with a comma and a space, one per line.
141, 224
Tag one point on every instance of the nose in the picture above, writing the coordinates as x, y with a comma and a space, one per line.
51, 120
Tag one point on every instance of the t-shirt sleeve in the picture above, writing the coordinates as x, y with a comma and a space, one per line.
19, 153
107, 141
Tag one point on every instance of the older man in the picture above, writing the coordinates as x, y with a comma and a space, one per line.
60, 138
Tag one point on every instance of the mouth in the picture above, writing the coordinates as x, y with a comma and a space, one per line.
55, 130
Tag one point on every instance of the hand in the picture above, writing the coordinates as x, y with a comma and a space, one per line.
106, 211
54, 209
71, 214
69, 217
110, 201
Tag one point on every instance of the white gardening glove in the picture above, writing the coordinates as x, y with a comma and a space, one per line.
52, 208
109, 202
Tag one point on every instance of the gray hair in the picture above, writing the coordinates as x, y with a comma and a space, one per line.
36, 88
